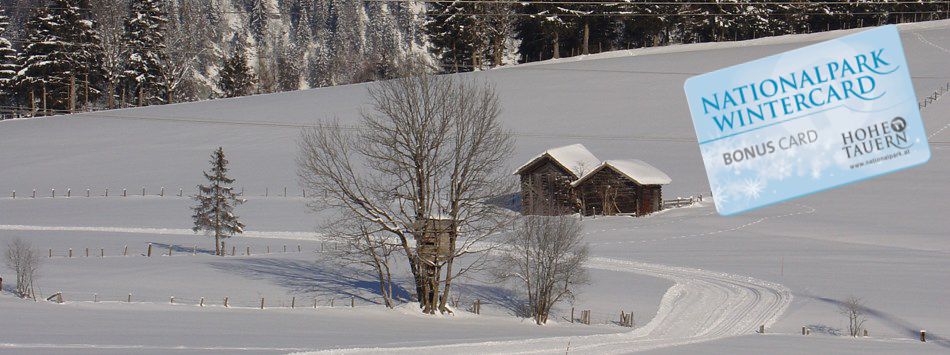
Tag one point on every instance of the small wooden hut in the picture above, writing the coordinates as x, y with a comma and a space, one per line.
435, 243
546, 180
621, 187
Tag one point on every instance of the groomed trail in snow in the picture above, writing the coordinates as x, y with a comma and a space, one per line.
701, 306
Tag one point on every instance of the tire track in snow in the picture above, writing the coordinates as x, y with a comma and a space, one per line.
701, 306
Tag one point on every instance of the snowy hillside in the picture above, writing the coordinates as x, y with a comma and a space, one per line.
689, 275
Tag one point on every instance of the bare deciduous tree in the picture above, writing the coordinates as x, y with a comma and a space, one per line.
365, 245
24, 261
432, 147
545, 255
853, 308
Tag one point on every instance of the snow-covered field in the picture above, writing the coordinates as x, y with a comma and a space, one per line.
696, 282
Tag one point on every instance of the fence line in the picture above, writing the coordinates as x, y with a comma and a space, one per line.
144, 192
682, 201
168, 250
585, 317
929, 99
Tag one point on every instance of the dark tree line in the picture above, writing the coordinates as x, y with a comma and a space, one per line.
545, 29
60, 56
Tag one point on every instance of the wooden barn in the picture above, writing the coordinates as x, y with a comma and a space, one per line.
621, 187
546, 180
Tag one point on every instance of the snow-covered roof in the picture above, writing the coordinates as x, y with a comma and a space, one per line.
636, 170
575, 158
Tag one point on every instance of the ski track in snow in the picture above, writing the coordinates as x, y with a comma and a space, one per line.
805, 210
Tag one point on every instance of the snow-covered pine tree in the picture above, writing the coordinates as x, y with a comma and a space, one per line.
257, 14
288, 66
62, 54
453, 33
144, 78
346, 24
236, 77
214, 213
110, 17
8, 64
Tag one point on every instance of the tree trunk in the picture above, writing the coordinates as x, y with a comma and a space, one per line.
499, 47
586, 38
557, 46
110, 99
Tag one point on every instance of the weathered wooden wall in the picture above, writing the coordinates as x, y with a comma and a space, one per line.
546, 190
607, 192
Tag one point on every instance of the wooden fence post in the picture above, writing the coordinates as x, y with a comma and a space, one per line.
34, 193
95, 297
143, 191
169, 250
171, 300
51, 253
102, 252
268, 250
125, 252
70, 252
194, 250
352, 301
149, 252
762, 329
69, 192
233, 250
52, 193
923, 335
226, 302
248, 251
298, 248
202, 302
87, 192
293, 302
162, 193
180, 190
107, 192
803, 329
124, 193
865, 333
285, 248
262, 302
572, 315
87, 252
314, 303
129, 300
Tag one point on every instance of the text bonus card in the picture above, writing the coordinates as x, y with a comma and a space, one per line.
807, 120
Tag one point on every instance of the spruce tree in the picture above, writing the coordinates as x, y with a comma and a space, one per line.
8, 65
454, 33
257, 20
214, 213
144, 76
62, 52
236, 76
288, 66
